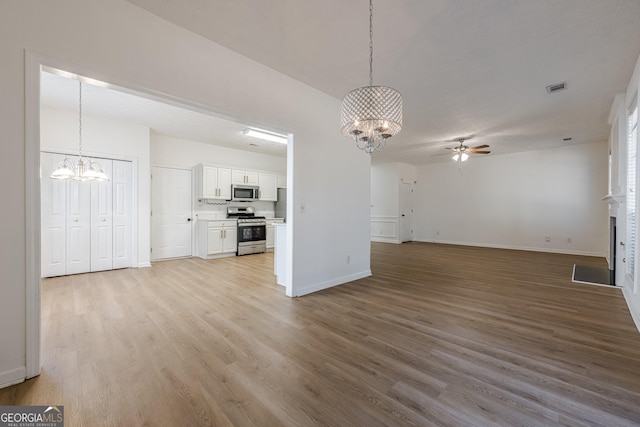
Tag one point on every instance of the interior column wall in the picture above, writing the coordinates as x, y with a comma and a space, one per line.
122, 44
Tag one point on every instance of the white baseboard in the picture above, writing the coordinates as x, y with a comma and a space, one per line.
144, 264
633, 302
14, 376
385, 240
516, 248
331, 283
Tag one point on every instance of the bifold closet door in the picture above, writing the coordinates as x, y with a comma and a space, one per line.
102, 221
78, 247
86, 226
53, 218
122, 179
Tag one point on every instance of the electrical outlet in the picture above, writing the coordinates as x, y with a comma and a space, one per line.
348, 259
569, 240
547, 239
437, 233
303, 207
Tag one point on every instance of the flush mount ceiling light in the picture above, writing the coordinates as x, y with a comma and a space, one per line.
82, 170
371, 114
268, 136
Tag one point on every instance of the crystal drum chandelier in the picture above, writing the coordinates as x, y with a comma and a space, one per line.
82, 170
371, 114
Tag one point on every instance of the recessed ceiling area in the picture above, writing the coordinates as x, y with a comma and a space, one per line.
463, 67
110, 102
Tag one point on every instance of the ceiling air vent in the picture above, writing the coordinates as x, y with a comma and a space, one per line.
556, 87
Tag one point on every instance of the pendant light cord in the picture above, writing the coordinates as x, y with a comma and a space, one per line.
370, 42
80, 120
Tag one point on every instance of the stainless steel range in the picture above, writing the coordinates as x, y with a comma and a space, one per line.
252, 230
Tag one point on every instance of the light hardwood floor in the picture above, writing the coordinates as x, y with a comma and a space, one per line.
439, 335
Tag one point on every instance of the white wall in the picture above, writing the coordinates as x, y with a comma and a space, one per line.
385, 190
181, 153
516, 200
120, 43
112, 139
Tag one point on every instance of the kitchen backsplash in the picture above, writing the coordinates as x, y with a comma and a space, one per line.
219, 209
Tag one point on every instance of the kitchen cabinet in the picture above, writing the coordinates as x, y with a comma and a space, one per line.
217, 238
268, 187
282, 181
271, 232
213, 182
244, 177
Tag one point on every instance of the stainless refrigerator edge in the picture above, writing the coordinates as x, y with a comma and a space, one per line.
281, 204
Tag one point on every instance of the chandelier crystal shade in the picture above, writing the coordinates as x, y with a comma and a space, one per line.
371, 114
83, 169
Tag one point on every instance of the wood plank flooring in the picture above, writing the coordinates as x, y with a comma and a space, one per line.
439, 335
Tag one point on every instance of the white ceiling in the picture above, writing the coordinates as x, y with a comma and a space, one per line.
464, 67
183, 122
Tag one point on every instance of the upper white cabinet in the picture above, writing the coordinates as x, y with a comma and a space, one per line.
282, 181
244, 177
268, 187
213, 182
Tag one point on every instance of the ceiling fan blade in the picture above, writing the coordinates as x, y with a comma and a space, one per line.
441, 154
480, 146
479, 152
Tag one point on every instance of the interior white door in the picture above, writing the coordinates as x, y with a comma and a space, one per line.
122, 179
53, 218
78, 248
406, 212
102, 221
170, 213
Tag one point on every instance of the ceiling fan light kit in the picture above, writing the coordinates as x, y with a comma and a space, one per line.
462, 151
371, 114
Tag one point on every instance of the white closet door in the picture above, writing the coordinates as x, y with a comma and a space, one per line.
102, 221
122, 179
78, 227
171, 213
53, 218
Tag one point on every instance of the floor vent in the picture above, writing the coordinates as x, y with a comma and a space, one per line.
556, 87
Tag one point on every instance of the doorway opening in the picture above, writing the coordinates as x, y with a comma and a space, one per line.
35, 66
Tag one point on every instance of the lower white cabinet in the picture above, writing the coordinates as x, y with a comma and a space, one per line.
85, 226
271, 232
217, 238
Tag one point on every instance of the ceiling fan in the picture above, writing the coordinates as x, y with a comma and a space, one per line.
462, 151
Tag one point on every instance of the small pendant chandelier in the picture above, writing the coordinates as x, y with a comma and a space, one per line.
371, 114
82, 170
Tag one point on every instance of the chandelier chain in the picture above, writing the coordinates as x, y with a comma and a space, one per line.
370, 42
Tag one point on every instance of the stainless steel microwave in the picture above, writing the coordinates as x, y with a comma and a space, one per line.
245, 193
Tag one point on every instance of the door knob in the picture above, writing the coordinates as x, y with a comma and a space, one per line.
188, 219
75, 219
621, 243
104, 220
